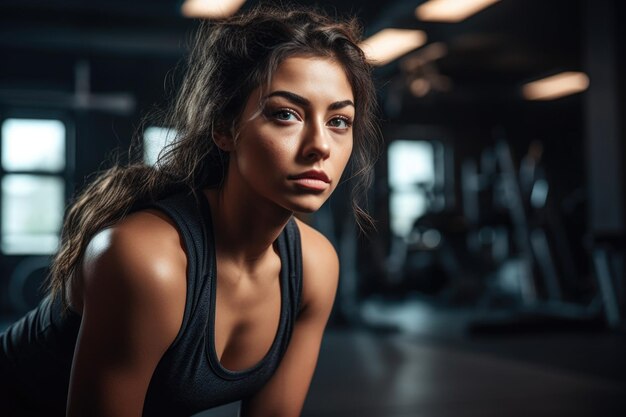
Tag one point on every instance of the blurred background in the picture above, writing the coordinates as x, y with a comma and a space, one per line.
494, 283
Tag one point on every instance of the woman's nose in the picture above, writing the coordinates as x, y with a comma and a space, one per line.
316, 143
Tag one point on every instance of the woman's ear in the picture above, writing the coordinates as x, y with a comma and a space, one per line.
224, 141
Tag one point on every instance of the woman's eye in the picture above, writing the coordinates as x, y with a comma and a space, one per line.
285, 115
340, 122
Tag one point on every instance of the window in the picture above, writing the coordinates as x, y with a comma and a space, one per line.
32, 185
414, 174
155, 139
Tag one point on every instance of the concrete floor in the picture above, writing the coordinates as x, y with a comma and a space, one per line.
361, 374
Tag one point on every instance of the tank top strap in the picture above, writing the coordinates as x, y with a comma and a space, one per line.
189, 211
293, 257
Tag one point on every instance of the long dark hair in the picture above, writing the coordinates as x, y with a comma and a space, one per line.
228, 60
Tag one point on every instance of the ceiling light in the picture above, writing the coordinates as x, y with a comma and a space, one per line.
423, 56
419, 87
451, 11
389, 44
556, 86
210, 9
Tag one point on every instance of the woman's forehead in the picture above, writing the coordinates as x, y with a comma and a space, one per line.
317, 77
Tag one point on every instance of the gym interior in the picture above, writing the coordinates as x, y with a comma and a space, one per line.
494, 282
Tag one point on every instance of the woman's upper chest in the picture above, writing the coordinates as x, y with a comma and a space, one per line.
247, 311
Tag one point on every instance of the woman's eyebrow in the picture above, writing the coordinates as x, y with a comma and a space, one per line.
299, 100
340, 104
293, 97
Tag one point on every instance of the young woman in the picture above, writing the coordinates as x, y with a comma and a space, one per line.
191, 285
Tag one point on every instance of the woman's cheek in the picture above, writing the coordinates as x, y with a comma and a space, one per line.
347, 153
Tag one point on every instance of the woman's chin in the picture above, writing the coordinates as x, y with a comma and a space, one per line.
305, 207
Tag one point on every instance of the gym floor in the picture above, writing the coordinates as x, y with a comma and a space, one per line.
440, 370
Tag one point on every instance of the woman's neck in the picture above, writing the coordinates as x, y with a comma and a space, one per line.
245, 227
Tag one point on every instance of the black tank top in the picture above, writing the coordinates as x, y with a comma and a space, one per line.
37, 351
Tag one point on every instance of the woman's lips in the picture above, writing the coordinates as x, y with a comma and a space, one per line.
312, 180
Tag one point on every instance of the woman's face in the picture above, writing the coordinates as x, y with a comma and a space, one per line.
295, 138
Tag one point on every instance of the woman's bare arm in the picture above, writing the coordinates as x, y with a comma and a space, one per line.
284, 394
133, 303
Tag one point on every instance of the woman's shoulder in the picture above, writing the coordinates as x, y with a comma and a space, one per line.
147, 238
320, 267
133, 296
141, 257
315, 246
